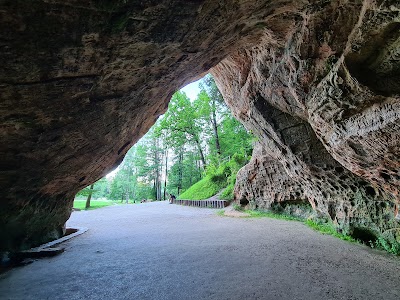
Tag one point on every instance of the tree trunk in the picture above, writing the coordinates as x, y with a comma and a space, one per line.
166, 174
89, 196
203, 160
157, 180
215, 128
180, 174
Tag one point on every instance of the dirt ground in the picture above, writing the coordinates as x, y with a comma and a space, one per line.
162, 251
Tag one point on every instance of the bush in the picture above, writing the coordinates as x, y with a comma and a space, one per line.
387, 245
227, 193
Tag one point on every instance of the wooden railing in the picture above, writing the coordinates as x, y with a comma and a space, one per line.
202, 203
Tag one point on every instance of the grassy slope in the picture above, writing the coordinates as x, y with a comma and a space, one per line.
203, 189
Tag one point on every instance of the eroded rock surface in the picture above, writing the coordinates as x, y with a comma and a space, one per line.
322, 97
81, 81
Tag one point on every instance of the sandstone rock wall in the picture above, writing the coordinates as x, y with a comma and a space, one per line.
321, 94
82, 81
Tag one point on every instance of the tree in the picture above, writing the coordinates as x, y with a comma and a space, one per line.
235, 138
87, 205
212, 108
174, 154
182, 124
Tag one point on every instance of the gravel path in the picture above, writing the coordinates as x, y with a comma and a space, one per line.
162, 251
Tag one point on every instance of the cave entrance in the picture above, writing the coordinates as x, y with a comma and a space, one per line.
192, 152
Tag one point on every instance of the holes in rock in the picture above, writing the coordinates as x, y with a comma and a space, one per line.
339, 169
363, 183
385, 176
364, 235
299, 207
332, 211
370, 191
82, 179
357, 148
244, 202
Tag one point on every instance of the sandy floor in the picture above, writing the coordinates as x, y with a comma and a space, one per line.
162, 251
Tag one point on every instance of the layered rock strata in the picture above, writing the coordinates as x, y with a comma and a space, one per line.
322, 97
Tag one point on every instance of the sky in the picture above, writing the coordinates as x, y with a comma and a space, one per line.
192, 89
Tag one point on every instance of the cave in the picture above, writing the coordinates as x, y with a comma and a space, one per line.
81, 83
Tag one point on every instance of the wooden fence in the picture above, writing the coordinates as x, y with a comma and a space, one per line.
202, 203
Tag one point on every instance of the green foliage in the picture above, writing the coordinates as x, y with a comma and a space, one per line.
80, 204
328, 228
181, 123
227, 171
184, 172
237, 207
234, 138
390, 246
218, 177
318, 225
194, 139
268, 214
227, 193
221, 212
203, 189
100, 190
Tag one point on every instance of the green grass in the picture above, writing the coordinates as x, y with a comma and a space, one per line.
203, 189
93, 204
261, 214
324, 228
328, 228
389, 246
221, 212
227, 193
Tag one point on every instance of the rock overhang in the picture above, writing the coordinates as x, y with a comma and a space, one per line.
78, 91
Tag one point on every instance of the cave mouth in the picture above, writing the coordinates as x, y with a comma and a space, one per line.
192, 152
